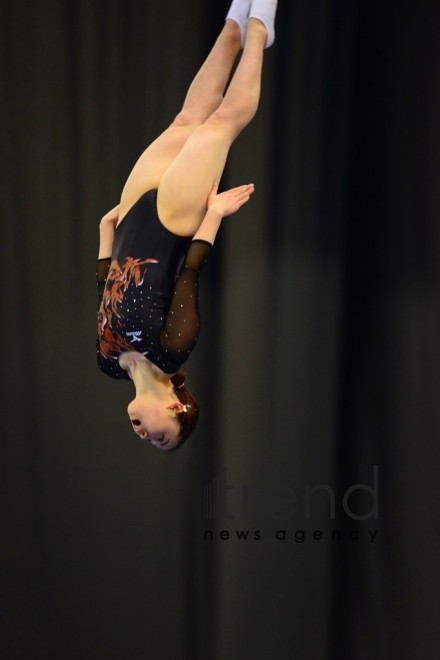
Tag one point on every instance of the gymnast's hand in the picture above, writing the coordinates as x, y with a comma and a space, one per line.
111, 218
230, 201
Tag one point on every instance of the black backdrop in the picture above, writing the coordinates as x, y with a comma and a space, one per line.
318, 363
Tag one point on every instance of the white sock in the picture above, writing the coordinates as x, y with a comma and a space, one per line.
265, 11
239, 12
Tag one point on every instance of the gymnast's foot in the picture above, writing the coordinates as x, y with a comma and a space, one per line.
239, 13
264, 11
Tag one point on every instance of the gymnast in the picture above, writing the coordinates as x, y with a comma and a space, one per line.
154, 244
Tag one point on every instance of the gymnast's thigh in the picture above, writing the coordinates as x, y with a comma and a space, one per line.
153, 162
184, 187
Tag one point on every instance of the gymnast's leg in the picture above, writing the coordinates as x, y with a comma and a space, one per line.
203, 98
186, 184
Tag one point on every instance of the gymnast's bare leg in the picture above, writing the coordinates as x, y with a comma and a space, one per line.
186, 184
204, 96
189, 157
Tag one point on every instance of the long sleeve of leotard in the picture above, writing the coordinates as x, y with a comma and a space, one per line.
102, 268
181, 328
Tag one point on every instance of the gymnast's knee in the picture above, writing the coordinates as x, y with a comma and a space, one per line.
187, 118
228, 119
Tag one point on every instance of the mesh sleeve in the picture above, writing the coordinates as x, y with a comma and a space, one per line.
102, 268
181, 328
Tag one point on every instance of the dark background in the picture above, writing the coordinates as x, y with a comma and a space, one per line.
319, 357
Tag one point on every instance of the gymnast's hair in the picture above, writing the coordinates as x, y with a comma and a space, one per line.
186, 420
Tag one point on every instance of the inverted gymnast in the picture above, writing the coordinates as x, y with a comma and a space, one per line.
154, 244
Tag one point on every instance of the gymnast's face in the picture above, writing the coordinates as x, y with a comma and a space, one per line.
156, 421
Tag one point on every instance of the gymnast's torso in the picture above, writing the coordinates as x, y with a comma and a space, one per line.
139, 286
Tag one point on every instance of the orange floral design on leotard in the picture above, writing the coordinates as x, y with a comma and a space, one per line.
118, 280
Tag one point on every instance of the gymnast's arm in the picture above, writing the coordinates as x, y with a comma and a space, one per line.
181, 328
107, 233
106, 236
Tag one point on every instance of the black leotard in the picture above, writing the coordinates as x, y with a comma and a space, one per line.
146, 303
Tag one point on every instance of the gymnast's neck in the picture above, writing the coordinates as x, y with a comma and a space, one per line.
145, 375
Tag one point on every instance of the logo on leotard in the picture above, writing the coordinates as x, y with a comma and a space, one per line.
135, 335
